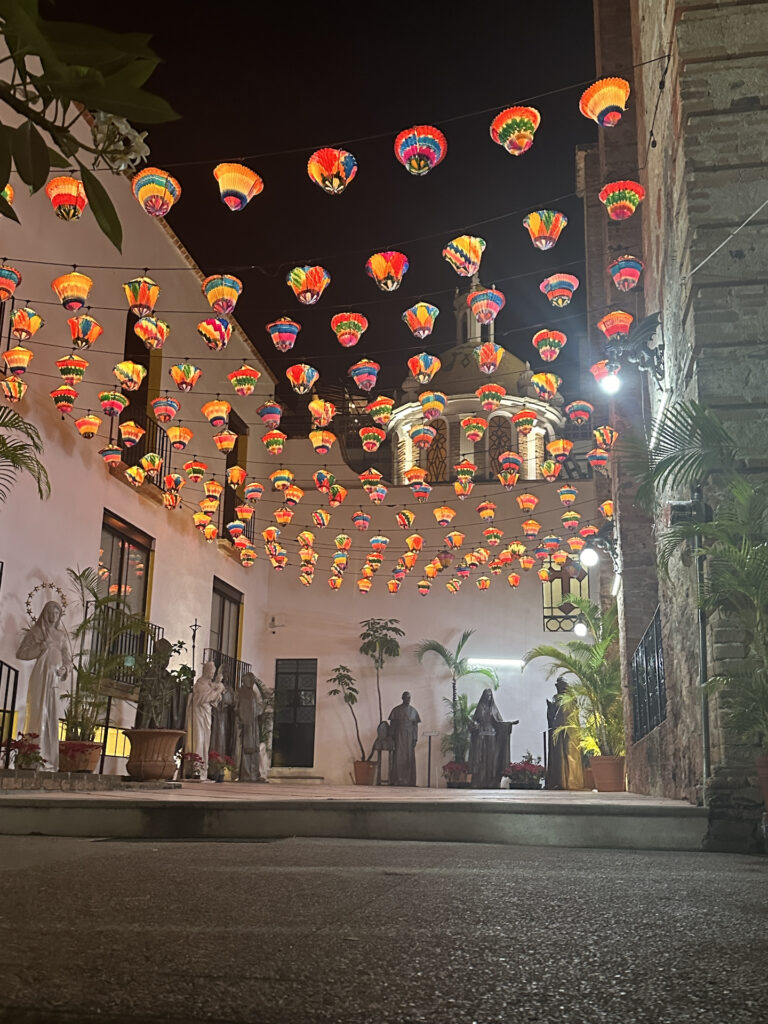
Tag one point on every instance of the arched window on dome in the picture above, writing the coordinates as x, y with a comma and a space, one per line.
437, 454
500, 439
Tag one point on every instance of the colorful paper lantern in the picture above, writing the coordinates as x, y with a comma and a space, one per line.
281, 478
378, 494
616, 324
142, 294
302, 378
579, 411
364, 585
588, 531
423, 367
546, 385
422, 435
321, 518
493, 535
113, 402
626, 271
237, 185
598, 459
271, 413
444, 515
247, 557
130, 433
225, 440
201, 520
570, 520
10, 278
527, 562
130, 375
349, 328
559, 558
474, 428
486, 304
605, 437
322, 441
253, 491
84, 330
530, 528
244, 380
432, 404
490, 396
567, 495
235, 529
514, 129
88, 425
179, 437
511, 461
153, 332
543, 575
380, 410
559, 288
332, 170
464, 254
334, 582
508, 478
387, 269
321, 411
514, 580
516, 548
135, 475
560, 449
462, 488
215, 332
111, 453
527, 501
292, 495
545, 227
361, 520
209, 505
25, 323
216, 412
222, 292
549, 344
67, 196
576, 544
72, 289
8, 193
323, 479
424, 587
195, 470
308, 283
151, 463
486, 510
156, 191
421, 492
17, 359
393, 586
274, 441
454, 539
605, 101
621, 198
364, 374
405, 518
483, 582
244, 513
379, 544
420, 148
283, 333
13, 389
185, 375
420, 319
174, 481
488, 356
550, 470
415, 475
371, 438
165, 408
236, 476
604, 369
210, 532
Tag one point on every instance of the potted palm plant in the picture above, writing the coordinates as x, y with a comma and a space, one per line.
456, 742
343, 684
593, 673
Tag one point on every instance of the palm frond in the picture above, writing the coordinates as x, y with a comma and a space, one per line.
464, 640
435, 647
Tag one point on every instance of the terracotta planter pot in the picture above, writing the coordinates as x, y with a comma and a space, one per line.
77, 756
608, 774
762, 776
151, 758
589, 779
365, 773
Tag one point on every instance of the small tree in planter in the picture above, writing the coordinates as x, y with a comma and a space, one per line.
343, 684
380, 641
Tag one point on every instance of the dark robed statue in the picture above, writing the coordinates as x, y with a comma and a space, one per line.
564, 767
224, 723
403, 732
488, 743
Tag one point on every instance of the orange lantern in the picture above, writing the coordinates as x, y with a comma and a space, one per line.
71, 289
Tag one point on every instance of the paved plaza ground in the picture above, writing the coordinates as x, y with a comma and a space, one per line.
314, 931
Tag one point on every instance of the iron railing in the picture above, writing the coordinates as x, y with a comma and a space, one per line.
106, 641
234, 670
9, 685
647, 684
154, 439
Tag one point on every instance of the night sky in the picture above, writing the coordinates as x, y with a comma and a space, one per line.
267, 85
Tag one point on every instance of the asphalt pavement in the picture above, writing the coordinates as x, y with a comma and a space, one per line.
311, 931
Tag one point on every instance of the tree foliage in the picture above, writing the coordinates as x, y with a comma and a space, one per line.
20, 448
380, 640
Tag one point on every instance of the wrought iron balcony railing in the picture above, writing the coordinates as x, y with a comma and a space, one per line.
234, 670
647, 683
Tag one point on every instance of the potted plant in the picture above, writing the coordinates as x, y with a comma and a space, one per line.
380, 641
220, 766
343, 684
593, 673
193, 766
456, 743
26, 752
526, 773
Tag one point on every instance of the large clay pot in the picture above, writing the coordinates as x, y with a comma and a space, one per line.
151, 758
608, 773
589, 779
78, 756
365, 773
762, 776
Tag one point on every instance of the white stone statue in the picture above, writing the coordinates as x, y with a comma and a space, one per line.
249, 707
206, 693
47, 644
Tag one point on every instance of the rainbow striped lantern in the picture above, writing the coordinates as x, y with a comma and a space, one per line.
490, 396
559, 288
111, 453
576, 544
527, 562
185, 375
323, 479
243, 380
516, 548
626, 271
483, 582
72, 290
545, 227
432, 404
530, 528
337, 495
380, 410
64, 399
349, 328
322, 441
510, 462
332, 170
559, 558
112, 402
321, 518
152, 331
621, 198
605, 101
302, 378
10, 278
13, 389
493, 535
84, 330
616, 324
560, 449
308, 283
216, 412
454, 539
453, 586
405, 518
155, 190
371, 438
550, 470
423, 367
25, 323
171, 500
179, 437
527, 502
222, 292
549, 344
334, 582
379, 544
570, 520
174, 482
378, 494
486, 510
17, 359
225, 440
244, 512
130, 433
603, 369
387, 269
415, 475
271, 413
421, 491
486, 304
424, 587
364, 585
235, 529
283, 333
321, 411
393, 585
135, 475
364, 374
606, 509
67, 196
488, 356
343, 541
237, 185
496, 566
195, 470
215, 332
129, 374
361, 520
543, 575
292, 495
88, 425
370, 479
151, 463
465, 469
421, 319
546, 385
253, 491
210, 532
508, 478
579, 411
248, 556
598, 460
464, 254
142, 294
422, 435
514, 129
567, 495
420, 148
474, 428
588, 531
274, 441
605, 437
514, 580
213, 488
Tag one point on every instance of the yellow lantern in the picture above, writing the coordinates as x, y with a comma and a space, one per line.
72, 290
